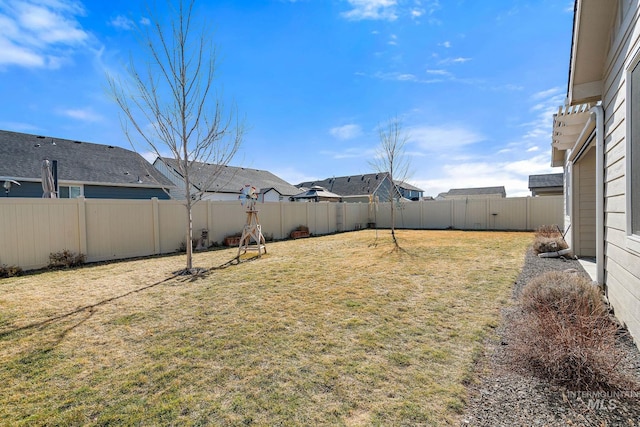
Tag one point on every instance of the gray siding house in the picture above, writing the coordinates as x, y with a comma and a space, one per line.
358, 188
228, 183
474, 193
83, 169
550, 184
596, 139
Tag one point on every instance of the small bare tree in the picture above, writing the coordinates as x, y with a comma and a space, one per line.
391, 159
173, 107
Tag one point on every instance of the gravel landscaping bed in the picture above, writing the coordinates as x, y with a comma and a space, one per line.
504, 396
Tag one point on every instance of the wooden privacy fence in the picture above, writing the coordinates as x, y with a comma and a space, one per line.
31, 229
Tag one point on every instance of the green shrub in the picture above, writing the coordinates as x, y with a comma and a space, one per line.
563, 333
65, 259
9, 271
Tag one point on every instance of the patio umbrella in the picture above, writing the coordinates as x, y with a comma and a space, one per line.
48, 187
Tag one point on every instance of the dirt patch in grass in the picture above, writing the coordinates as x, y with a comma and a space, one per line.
322, 331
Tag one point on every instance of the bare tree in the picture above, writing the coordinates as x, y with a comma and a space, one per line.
172, 105
391, 159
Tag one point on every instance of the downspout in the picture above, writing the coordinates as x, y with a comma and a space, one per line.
599, 113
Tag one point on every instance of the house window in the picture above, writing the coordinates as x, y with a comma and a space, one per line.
633, 154
70, 191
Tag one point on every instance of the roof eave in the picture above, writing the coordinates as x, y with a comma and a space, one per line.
589, 48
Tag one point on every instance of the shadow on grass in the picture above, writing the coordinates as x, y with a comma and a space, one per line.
187, 275
90, 308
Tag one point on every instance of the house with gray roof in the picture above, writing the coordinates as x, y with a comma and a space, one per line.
409, 191
316, 194
550, 184
358, 188
83, 169
228, 181
473, 193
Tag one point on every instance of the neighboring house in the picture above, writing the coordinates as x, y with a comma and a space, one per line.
596, 138
550, 184
228, 183
473, 193
316, 194
358, 188
83, 169
409, 191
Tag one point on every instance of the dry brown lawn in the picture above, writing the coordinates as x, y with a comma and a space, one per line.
324, 331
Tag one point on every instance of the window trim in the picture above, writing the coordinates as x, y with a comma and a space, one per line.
632, 240
80, 186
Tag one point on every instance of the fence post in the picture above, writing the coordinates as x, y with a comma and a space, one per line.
82, 225
487, 214
452, 208
209, 230
282, 219
155, 219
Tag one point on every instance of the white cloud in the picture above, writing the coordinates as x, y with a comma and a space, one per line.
344, 132
446, 44
145, 21
545, 94
149, 156
39, 34
514, 176
404, 77
11, 54
439, 72
350, 153
457, 60
371, 9
540, 127
417, 13
294, 176
443, 138
85, 115
122, 22
19, 126
453, 162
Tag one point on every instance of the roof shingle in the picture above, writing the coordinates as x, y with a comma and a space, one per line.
21, 158
231, 179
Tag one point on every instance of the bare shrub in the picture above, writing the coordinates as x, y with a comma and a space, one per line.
9, 271
65, 258
548, 239
564, 334
549, 244
548, 231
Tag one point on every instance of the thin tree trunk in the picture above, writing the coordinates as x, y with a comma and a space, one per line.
189, 241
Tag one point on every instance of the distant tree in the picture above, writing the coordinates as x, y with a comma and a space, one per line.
391, 158
172, 105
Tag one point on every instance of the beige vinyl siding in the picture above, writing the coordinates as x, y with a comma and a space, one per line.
585, 204
622, 265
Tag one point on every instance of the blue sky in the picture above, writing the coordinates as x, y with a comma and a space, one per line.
475, 83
